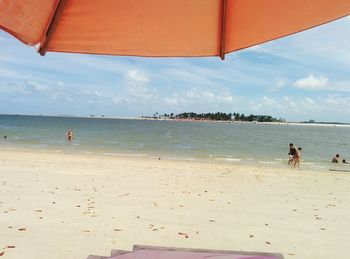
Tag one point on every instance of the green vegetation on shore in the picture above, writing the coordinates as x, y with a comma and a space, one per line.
218, 116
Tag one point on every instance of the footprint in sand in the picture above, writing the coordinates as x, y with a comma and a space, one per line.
183, 234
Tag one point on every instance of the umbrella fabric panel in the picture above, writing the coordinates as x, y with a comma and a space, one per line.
161, 27
250, 22
27, 20
185, 27
142, 28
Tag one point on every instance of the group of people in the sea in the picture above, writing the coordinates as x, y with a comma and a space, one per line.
337, 159
294, 156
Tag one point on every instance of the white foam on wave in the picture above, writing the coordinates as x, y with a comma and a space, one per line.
268, 162
178, 158
118, 154
229, 159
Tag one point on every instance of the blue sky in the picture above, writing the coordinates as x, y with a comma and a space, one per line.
300, 77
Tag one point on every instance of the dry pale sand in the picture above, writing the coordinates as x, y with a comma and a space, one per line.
70, 206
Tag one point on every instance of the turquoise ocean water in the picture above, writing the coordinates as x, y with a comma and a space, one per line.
240, 143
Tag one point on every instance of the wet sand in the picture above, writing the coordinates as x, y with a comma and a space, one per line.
69, 206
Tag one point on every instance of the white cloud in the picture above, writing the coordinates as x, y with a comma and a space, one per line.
7, 73
312, 83
226, 98
117, 99
135, 75
94, 63
35, 87
187, 75
309, 100
139, 92
269, 101
171, 101
196, 95
340, 86
60, 84
198, 100
288, 101
278, 85
208, 95
62, 96
97, 94
322, 84
303, 108
193, 94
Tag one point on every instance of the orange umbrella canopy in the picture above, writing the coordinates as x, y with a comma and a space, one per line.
161, 28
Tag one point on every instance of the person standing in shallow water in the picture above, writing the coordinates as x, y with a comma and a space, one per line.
292, 153
297, 157
69, 135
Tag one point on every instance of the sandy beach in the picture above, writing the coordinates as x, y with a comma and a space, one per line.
72, 205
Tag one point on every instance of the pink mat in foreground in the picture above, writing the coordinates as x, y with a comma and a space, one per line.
147, 252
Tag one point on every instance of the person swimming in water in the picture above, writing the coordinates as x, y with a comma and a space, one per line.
69, 135
336, 159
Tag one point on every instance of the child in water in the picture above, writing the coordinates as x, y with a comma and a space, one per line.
297, 157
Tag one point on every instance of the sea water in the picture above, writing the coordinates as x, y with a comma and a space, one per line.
242, 143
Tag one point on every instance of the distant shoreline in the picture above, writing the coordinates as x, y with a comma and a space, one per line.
325, 124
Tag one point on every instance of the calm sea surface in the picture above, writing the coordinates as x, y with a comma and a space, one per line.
228, 142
